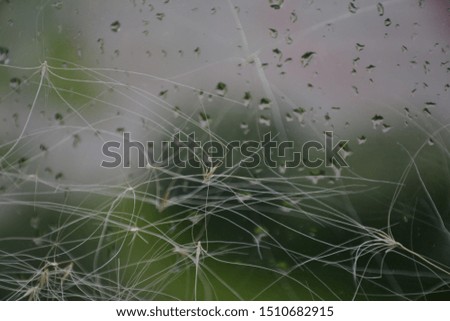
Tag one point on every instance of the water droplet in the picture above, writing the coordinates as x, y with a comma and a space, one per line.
276, 4
160, 16
76, 140
115, 26
370, 68
59, 116
289, 117
273, 33
278, 52
362, 139
360, 47
101, 43
289, 41
380, 9
353, 7
426, 111
263, 120
293, 16
38, 241
204, 119
34, 222
247, 98
386, 128
315, 176
299, 113
176, 111
430, 104
264, 103
163, 93
244, 128
57, 5
387, 22
4, 55
221, 89
377, 120
14, 83
430, 142
306, 58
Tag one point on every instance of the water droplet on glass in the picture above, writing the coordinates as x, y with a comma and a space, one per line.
306, 58
273, 33
76, 140
380, 9
204, 119
360, 47
247, 98
176, 111
264, 103
289, 41
362, 139
263, 120
276, 4
160, 16
386, 128
299, 113
315, 176
57, 5
387, 22
370, 67
38, 241
352, 7
221, 89
115, 26
59, 116
377, 120
4, 55
289, 117
430, 142
163, 93
14, 83
244, 128
293, 16
34, 222
278, 53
